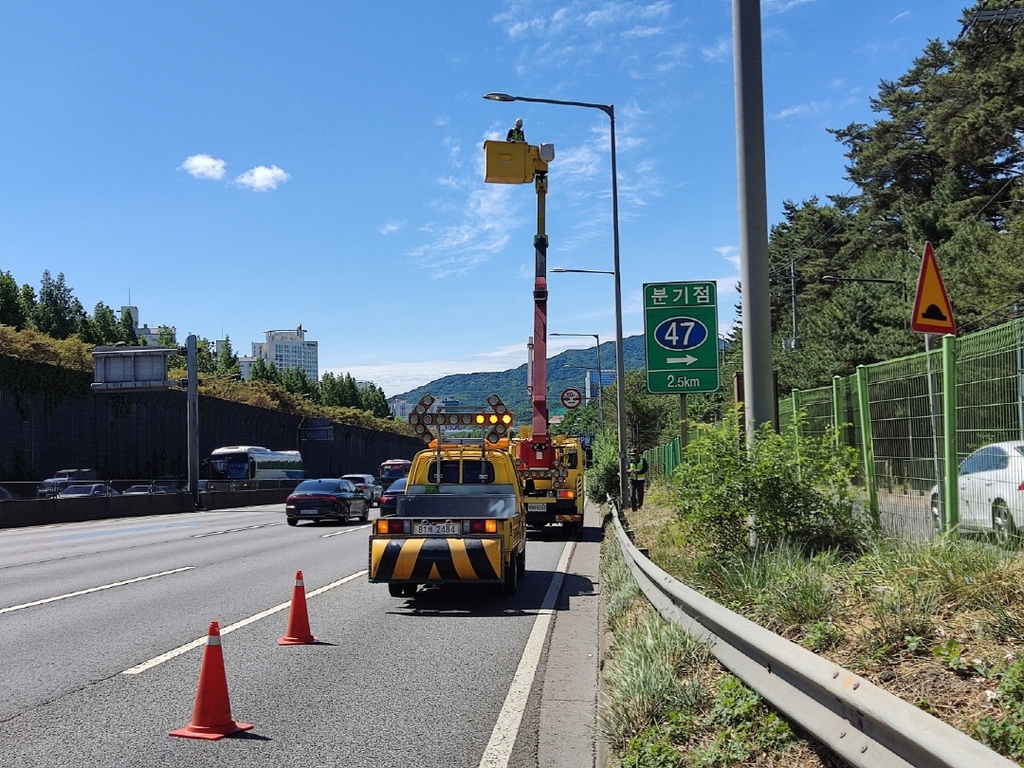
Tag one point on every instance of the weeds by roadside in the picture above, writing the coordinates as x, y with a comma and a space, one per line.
940, 624
667, 703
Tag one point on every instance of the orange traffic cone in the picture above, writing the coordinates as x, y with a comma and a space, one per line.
211, 716
298, 620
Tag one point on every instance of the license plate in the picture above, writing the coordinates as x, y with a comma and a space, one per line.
536, 507
436, 529
310, 511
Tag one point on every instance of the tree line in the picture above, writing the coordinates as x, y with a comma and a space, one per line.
942, 163
56, 312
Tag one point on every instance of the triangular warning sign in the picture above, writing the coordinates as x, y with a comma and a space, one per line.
932, 311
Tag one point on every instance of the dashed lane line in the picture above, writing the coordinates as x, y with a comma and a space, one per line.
342, 533
157, 660
234, 530
94, 589
503, 737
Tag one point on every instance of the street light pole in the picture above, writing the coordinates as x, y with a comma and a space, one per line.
600, 373
620, 365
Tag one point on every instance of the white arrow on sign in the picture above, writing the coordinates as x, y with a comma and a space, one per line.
688, 360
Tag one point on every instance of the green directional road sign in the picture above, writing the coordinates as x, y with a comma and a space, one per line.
681, 337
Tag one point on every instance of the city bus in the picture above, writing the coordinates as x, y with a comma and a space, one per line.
252, 462
391, 470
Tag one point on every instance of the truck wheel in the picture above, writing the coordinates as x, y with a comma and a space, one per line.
396, 590
511, 582
521, 563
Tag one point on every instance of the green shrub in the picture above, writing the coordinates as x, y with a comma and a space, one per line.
785, 487
603, 477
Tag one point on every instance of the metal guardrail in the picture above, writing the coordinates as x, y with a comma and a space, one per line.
862, 723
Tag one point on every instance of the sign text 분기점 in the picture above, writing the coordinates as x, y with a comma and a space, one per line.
681, 337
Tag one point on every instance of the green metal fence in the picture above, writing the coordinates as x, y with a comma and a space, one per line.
913, 421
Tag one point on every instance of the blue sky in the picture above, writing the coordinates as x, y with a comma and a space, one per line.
235, 167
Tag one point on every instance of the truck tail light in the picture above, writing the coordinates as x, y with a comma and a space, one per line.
567, 494
483, 526
390, 525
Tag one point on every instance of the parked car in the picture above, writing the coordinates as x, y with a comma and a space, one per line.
368, 485
87, 489
991, 490
389, 501
326, 499
5, 495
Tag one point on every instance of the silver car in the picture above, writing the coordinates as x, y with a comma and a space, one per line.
991, 490
369, 486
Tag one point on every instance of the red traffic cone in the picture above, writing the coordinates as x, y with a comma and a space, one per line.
211, 716
298, 619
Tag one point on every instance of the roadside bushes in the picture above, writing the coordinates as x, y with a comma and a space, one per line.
603, 477
782, 488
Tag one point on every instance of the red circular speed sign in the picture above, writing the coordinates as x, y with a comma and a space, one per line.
571, 398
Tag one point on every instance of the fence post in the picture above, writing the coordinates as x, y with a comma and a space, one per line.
867, 446
837, 408
952, 497
796, 430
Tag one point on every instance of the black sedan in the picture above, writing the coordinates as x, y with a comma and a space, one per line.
389, 501
326, 499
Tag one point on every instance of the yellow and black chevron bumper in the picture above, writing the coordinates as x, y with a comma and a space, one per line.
435, 560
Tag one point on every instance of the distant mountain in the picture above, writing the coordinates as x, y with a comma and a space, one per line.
472, 389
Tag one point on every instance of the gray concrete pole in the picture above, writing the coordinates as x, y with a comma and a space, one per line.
620, 365
193, 419
758, 387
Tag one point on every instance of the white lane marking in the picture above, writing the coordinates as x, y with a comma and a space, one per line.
233, 530
157, 660
342, 533
503, 737
94, 589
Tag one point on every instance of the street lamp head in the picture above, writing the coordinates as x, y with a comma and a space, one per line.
495, 96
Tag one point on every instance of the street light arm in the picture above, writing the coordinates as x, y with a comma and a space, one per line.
608, 109
583, 271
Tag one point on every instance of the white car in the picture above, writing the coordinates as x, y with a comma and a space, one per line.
991, 489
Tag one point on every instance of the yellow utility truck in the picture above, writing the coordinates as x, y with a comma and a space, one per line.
553, 494
461, 517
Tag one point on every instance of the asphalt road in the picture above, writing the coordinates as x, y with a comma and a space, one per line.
95, 618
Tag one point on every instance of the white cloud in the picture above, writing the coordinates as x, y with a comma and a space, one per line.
487, 218
203, 167
442, 120
730, 253
261, 178
899, 16
719, 51
781, 6
801, 110
391, 226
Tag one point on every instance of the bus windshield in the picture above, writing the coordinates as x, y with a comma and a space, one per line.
394, 471
232, 466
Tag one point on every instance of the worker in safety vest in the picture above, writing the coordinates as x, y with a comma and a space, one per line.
637, 471
516, 133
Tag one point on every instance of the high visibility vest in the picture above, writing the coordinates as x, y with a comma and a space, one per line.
516, 134
638, 469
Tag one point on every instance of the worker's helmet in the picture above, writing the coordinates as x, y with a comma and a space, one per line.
519, 122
